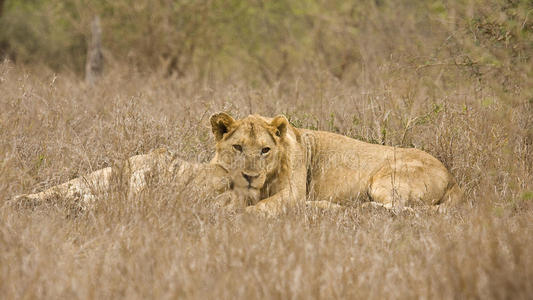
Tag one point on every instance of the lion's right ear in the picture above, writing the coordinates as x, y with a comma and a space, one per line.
220, 124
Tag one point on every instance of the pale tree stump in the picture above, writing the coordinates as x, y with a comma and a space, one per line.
95, 59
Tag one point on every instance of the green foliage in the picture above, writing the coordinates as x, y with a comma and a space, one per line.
34, 31
272, 40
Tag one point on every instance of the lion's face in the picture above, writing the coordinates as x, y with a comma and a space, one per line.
249, 149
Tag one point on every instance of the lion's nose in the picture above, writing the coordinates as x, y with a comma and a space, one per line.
249, 177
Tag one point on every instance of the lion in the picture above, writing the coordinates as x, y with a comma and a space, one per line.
273, 164
135, 174
266, 164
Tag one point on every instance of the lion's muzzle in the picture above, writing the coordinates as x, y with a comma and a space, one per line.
249, 180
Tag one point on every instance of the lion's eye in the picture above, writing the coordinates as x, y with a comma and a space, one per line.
237, 147
265, 150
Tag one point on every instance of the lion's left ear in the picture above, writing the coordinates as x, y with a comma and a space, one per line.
280, 123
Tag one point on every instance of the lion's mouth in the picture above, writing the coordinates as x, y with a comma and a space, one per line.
254, 188
251, 187
248, 186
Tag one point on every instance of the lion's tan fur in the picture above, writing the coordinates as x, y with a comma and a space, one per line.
322, 166
135, 174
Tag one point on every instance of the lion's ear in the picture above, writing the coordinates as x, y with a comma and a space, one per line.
281, 124
220, 124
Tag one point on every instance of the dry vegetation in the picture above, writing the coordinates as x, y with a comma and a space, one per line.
458, 86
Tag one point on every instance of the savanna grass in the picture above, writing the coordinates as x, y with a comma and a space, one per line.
167, 244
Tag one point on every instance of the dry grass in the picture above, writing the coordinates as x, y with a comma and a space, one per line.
164, 245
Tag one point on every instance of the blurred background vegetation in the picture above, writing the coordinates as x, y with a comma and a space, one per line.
451, 77
267, 41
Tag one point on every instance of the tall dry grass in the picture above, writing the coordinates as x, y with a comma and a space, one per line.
453, 78
166, 245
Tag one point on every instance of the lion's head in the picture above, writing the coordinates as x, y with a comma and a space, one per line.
251, 150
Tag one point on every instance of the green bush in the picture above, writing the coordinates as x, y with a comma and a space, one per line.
270, 40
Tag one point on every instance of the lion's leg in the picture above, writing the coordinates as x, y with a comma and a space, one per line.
323, 204
376, 205
83, 188
414, 182
393, 189
134, 172
453, 196
276, 204
230, 200
407, 184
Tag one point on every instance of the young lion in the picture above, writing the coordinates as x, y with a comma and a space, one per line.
135, 174
272, 163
